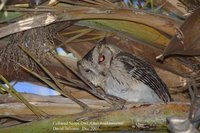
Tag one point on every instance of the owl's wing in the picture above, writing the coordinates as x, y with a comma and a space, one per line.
142, 71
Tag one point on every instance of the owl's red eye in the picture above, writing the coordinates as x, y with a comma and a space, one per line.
101, 58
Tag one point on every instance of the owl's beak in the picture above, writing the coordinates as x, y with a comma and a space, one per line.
78, 63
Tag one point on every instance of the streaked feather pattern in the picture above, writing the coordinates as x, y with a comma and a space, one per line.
142, 71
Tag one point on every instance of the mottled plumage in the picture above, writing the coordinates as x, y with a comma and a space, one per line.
122, 74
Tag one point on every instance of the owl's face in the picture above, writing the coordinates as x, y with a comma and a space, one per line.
96, 63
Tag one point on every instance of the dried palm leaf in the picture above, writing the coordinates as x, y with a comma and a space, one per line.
187, 39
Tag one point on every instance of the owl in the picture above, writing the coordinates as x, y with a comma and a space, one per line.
122, 74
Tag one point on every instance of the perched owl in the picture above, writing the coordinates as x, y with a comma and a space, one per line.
123, 75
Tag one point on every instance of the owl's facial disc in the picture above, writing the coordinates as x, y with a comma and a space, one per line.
96, 63
89, 71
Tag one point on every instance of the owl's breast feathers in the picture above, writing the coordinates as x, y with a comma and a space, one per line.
142, 71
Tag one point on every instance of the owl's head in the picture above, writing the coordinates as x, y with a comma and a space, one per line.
96, 63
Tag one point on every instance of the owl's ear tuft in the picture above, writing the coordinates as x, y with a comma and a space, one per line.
102, 41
